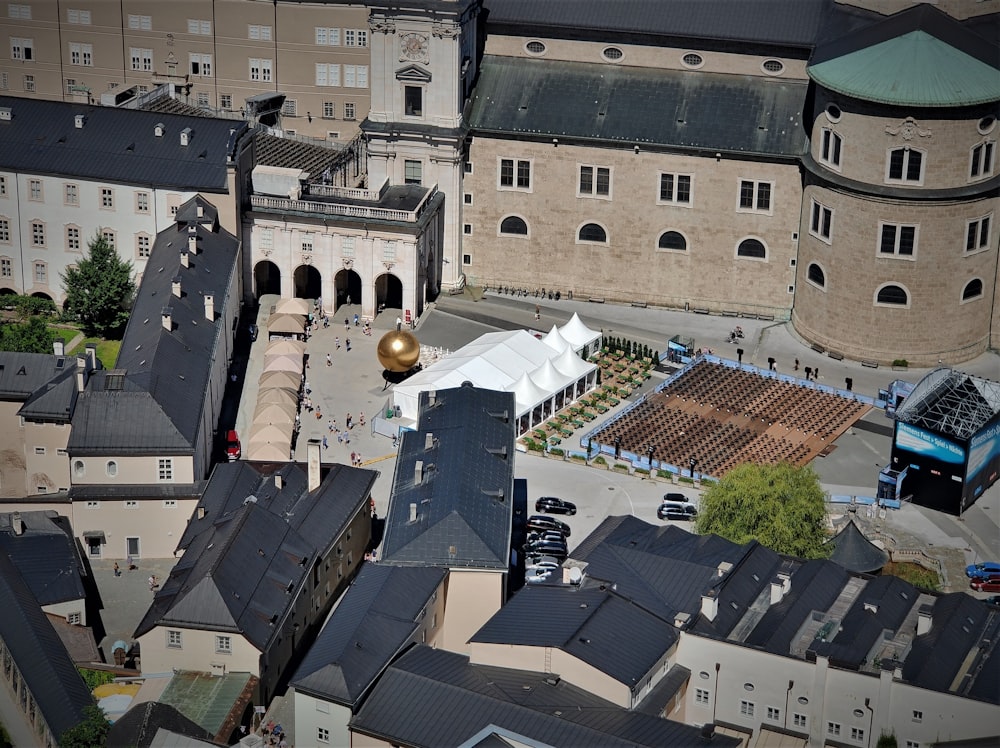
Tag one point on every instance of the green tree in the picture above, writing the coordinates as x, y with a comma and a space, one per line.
100, 290
92, 732
32, 336
781, 506
887, 740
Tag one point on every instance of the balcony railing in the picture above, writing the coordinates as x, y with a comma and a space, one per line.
283, 204
347, 193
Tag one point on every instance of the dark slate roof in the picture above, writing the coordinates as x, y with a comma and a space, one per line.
116, 145
707, 112
46, 383
41, 657
139, 725
664, 569
536, 706
661, 694
853, 551
584, 621
958, 626
891, 597
815, 585
372, 623
242, 556
462, 520
157, 405
46, 556
738, 589
138, 491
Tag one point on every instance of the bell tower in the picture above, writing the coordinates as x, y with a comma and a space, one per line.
423, 64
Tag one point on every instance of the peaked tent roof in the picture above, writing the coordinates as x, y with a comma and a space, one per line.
555, 341
527, 394
853, 551
577, 333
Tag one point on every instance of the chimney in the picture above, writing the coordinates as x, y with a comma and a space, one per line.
201, 512
81, 373
184, 258
681, 620
166, 318
186, 134
413, 511
210, 307
724, 567
175, 287
201, 211
278, 482
17, 523
708, 732
313, 463
709, 605
59, 347
90, 351
924, 619
777, 591
428, 441
79, 121
193, 244
418, 472
431, 397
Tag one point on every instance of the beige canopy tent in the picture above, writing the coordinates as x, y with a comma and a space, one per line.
274, 433
269, 452
285, 347
283, 363
292, 306
277, 395
286, 380
274, 413
286, 324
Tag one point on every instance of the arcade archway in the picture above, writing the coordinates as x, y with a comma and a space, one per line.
308, 282
388, 292
347, 285
41, 295
267, 278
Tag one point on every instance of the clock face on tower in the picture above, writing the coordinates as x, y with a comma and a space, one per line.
413, 46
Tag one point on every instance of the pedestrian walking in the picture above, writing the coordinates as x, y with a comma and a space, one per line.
319, 414
326, 444
538, 312
354, 459
399, 323
340, 438
361, 420
357, 321
350, 421
347, 324
336, 342
329, 426
329, 360
347, 342
118, 571
359, 459
152, 582
347, 437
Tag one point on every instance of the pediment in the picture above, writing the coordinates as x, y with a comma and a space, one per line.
413, 74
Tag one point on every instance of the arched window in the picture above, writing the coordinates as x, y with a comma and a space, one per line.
112, 468
973, 289
905, 165
892, 294
752, 248
514, 225
592, 232
672, 240
816, 275
79, 468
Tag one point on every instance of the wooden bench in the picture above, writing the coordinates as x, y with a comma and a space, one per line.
869, 363
596, 299
818, 348
730, 314
700, 311
639, 304
835, 356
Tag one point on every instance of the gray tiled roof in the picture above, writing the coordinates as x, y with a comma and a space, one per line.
709, 112
45, 554
739, 588
406, 704
49, 673
138, 726
586, 622
160, 404
460, 520
372, 623
46, 383
116, 145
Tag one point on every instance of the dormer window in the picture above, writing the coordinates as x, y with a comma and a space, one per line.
158, 130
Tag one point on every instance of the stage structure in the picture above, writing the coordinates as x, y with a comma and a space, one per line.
946, 443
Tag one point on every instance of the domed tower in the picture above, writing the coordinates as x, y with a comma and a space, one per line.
898, 238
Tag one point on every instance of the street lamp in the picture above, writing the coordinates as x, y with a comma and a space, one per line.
692, 462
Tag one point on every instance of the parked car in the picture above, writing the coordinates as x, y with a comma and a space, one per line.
254, 331
538, 575
995, 600
678, 498
552, 505
539, 522
535, 560
982, 569
550, 536
547, 548
233, 447
986, 584
676, 510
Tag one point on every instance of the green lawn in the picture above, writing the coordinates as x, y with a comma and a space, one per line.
107, 350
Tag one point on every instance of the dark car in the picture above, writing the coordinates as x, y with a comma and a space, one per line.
677, 512
553, 505
556, 537
540, 523
254, 331
982, 569
546, 548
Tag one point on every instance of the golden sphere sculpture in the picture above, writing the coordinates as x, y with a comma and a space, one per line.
398, 350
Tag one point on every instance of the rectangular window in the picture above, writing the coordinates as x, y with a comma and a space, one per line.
329, 110
3, 186
37, 234
977, 234
413, 101
35, 189
833, 728
327, 74
388, 251
260, 70
223, 645
4, 230
982, 160
918, 716
857, 734
326, 37
905, 165
467, 198
107, 198
829, 151
74, 619
349, 112
110, 237
898, 239
595, 181
22, 49
700, 696
226, 101
22, 12
141, 202
4, 82
755, 196
912, 744
515, 174
747, 708
347, 246
71, 194
142, 59
355, 38
140, 23
675, 188
80, 17
800, 720
413, 172
93, 505
142, 246
165, 469
307, 243
355, 76
39, 450
174, 640
200, 65
201, 28
266, 238
467, 229
72, 238
29, 83
6, 267
41, 273
131, 504
821, 221
322, 735
81, 54
258, 32
773, 714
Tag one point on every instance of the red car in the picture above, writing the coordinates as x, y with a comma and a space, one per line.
233, 447
986, 584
